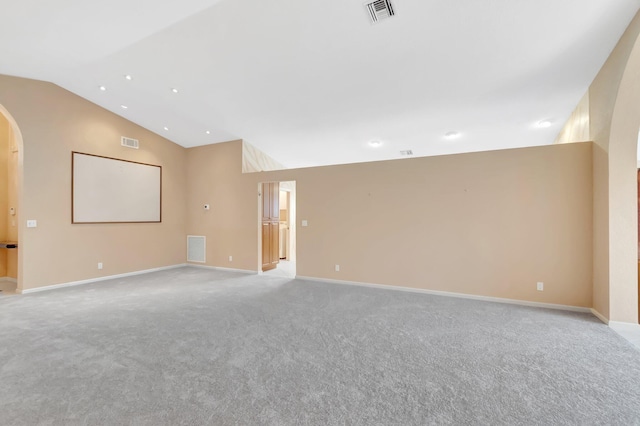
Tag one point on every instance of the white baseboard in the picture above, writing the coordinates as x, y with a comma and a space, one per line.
599, 316
220, 268
93, 280
9, 279
451, 294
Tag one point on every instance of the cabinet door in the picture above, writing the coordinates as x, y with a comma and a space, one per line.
275, 243
266, 246
266, 202
275, 201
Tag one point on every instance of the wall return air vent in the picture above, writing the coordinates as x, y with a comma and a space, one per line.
129, 143
379, 9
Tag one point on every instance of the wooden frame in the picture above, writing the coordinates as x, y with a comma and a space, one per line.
112, 190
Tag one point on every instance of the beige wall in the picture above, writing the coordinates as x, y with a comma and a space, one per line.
491, 223
614, 101
54, 122
577, 127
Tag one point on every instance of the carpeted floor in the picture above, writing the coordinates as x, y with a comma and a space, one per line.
193, 346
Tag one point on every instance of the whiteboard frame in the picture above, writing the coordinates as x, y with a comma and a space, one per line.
89, 221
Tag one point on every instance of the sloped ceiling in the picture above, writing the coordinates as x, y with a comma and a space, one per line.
312, 83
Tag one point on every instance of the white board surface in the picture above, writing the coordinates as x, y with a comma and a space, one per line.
109, 190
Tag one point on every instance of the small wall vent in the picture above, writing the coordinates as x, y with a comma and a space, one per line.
196, 248
406, 152
129, 142
379, 9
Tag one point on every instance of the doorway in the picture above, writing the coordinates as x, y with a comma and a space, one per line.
9, 163
277, 236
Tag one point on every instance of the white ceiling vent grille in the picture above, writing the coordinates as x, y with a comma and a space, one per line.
406, 152
129, 143
379, 9
196, 248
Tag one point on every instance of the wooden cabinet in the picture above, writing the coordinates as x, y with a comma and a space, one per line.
270, 225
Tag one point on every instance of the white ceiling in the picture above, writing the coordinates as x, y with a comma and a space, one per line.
311, 83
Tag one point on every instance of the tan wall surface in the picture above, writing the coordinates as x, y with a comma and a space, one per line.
54, 122
491, 223
608, 228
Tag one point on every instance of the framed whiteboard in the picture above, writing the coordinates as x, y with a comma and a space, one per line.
109, 190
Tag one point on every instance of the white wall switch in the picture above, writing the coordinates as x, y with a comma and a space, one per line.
540, 286
32, 223
305, 223
230, 258
99, 265
337, 268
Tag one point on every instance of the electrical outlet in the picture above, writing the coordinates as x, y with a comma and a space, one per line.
305, 223
230, 258
99, 265
32, 223
540, 286
337, 268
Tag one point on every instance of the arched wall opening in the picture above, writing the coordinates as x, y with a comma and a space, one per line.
623, 194
16, 219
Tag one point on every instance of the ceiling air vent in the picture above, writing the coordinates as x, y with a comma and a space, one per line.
379, 9
406, 152
130, 143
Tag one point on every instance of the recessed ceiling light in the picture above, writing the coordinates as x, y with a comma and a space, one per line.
208, 132
128, 77
174, 90
452, 135
124, 106
375, 143
543, 124
166, 128
103, 88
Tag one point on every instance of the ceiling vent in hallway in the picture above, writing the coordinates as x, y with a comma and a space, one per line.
406, 152
379, 9
129, 143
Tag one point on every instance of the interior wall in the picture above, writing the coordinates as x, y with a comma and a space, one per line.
614, 151
576, 128
489, 223
54, 122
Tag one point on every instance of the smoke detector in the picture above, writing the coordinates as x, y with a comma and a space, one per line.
379, 9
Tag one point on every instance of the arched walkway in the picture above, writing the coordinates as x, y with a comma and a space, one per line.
18, 140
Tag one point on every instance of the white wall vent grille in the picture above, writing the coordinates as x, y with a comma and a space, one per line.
196, 248
406, 152
129, 142
379, 9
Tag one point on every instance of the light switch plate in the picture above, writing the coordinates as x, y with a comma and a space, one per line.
305, 223
32, 223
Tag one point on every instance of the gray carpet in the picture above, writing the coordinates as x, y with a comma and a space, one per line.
193, 346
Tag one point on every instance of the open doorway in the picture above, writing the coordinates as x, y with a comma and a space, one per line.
9, 148
277, 236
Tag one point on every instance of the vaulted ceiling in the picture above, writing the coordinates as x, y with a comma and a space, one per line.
313, 83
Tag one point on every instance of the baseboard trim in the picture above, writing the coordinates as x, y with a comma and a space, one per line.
98, 279
9, 279
220, 268
600, 316
452, 294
